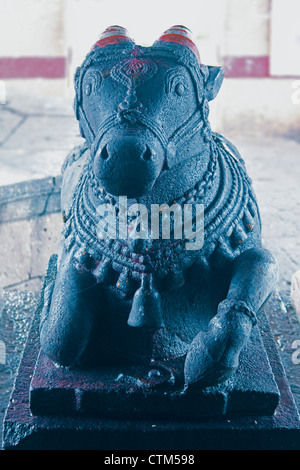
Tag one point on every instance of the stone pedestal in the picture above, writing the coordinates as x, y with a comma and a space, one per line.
54, 408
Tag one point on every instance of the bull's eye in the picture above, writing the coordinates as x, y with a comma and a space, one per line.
88, 89
176, 82
92, 82
179, 89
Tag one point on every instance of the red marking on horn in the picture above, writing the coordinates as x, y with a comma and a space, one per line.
113, 35
180, 35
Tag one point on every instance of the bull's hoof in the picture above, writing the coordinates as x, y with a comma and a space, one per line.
213, 356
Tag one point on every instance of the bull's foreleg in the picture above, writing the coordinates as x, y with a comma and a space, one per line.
68, 316
214, 355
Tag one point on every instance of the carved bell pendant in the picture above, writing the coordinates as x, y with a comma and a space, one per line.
146, 307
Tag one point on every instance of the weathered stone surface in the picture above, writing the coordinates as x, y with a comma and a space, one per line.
44, 239
155, 147
9, 120
23, 430
17, 265
43, 126
117, 392
29, 199
30, 224
79, 394
36, 133
25, 249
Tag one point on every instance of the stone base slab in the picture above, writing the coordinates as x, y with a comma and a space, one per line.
73, 425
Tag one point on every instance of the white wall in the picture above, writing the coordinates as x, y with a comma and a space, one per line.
246, 28
285, 38
32, 28
145, 22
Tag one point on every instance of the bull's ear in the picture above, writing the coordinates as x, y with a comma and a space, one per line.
214, 81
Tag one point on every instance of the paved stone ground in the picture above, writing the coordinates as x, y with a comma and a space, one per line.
274, 166
35, 135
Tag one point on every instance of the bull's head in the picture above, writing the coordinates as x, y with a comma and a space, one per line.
143, 110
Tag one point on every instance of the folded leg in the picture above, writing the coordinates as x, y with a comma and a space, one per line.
214, 355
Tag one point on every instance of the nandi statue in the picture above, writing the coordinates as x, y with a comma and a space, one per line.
160, 262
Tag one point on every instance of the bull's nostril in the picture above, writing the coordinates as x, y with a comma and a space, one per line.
147, 154
104, 153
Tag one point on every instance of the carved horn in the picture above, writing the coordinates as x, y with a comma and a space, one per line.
180, 35
113, 35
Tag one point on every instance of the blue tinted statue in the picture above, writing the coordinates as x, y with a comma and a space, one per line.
143, 114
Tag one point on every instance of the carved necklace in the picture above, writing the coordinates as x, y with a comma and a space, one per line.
228, 220
221, 217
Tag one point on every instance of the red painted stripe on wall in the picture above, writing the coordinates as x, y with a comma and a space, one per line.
33, 67
56, 67
246, 67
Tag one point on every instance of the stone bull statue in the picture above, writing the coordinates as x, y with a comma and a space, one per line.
143, 113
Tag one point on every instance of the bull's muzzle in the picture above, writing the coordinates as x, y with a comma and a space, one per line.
128, 165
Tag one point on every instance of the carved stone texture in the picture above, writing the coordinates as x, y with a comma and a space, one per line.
72, 410
139, 298
154, 390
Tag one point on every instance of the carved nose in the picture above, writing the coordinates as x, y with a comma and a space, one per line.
104, 153
129, 164
127, 150
147, 155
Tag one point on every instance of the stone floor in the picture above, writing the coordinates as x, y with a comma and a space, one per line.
16, 313
274, 166
35, 135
